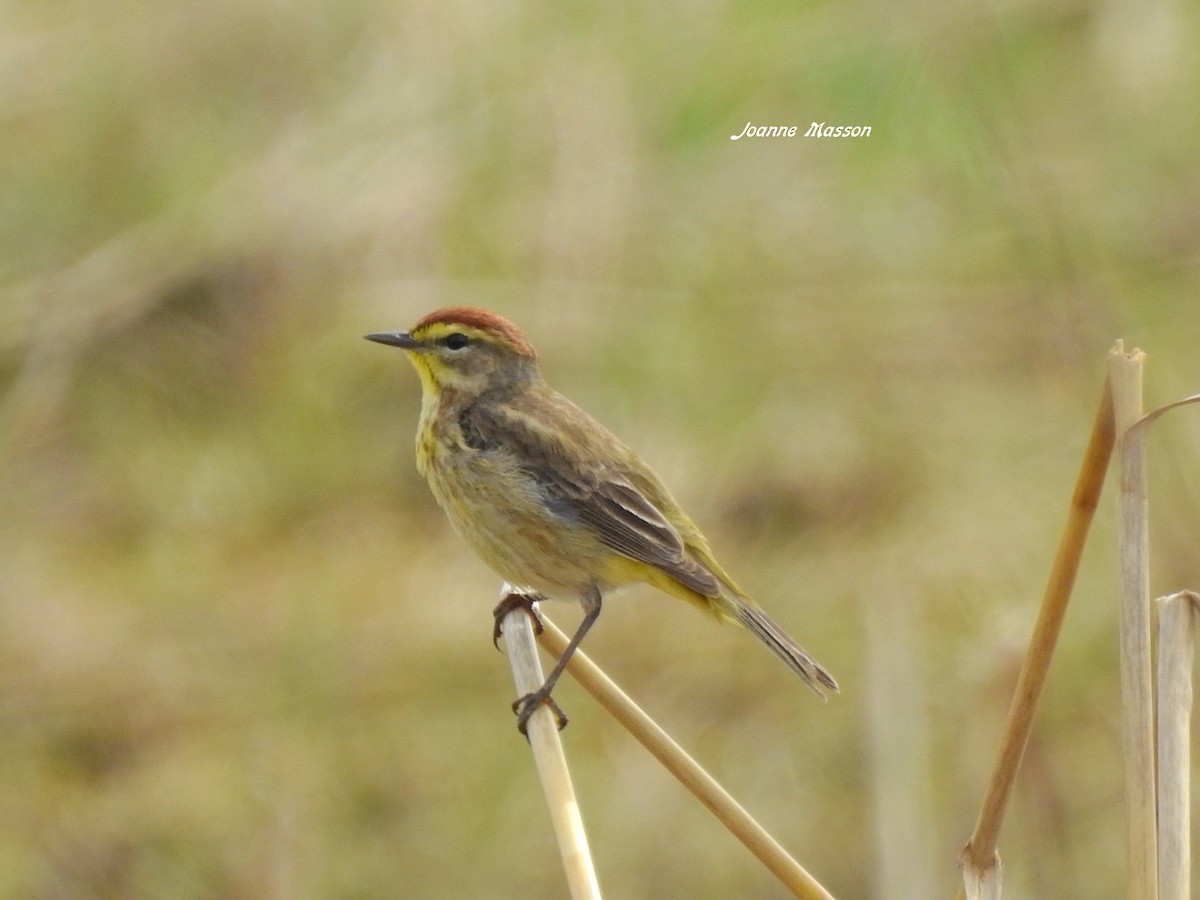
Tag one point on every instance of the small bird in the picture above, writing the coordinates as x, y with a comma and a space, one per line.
545, 495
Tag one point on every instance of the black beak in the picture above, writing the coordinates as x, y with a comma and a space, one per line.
400, 339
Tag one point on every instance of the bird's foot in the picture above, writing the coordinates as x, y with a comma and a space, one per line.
525, 707
507, 604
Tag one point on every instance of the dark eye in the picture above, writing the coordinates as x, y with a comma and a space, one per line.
456, 341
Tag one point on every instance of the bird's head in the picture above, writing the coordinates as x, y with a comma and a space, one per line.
465, 350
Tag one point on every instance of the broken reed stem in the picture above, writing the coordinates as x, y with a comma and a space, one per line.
979, 858
686, 769
1176, 637
1174, 717
1137, 698
548, 756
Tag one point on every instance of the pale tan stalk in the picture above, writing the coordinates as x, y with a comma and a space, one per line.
686, 769
1176, 639
549, 758
1174, 718
1137, 698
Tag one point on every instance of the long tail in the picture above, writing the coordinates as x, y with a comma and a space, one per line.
813, 673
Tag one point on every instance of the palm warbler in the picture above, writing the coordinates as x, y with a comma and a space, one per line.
547, 497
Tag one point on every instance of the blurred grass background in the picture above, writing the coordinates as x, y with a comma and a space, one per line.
241, 656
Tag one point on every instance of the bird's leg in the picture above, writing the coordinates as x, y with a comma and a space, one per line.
525, 706
515, 600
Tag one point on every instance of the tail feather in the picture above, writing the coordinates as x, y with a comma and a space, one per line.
758, 622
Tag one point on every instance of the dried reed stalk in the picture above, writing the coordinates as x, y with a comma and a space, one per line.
979, 858
549, 758
687, 770
1137, 697
1176, 638
1174, 715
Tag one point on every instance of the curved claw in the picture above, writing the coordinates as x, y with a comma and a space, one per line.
525, 706
507, 604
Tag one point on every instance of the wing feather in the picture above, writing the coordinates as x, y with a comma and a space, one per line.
590, 480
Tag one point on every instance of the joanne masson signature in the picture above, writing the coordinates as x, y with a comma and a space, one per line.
816, 129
